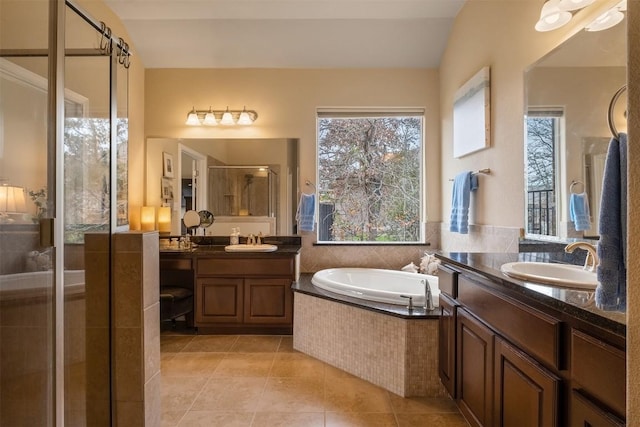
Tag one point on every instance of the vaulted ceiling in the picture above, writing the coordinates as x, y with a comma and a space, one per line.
288, 33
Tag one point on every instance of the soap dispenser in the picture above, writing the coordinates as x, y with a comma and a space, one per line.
234, 239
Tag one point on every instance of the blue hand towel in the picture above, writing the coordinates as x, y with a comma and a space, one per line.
306, 212
579, 211
463, 184
611, 293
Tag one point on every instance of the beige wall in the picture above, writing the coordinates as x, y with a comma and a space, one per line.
286, 102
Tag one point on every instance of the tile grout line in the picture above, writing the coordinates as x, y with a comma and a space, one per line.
264, 388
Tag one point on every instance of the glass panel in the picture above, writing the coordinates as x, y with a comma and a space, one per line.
122, 216
87, 215
26, 268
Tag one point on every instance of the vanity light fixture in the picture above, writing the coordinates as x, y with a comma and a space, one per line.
552, 16
608, 19
212, 117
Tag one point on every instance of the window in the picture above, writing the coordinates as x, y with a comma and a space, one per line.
370, 176
542, 143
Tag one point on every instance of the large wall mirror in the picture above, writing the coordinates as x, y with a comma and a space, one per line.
567, 97
250, 184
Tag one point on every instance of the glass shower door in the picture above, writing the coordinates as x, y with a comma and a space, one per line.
27, 265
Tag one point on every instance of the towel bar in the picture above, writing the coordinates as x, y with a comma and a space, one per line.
485, 171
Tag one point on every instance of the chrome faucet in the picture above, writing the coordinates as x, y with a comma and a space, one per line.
591, 261
428, 297
251, 240
410, 306
259, 238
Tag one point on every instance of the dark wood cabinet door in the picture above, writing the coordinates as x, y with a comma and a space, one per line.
219, 300
268, 301
526, 393
447, 344
474, 354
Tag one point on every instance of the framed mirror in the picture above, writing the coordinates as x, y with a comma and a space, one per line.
251, 184
567, 96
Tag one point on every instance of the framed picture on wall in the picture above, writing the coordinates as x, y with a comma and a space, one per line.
471, 115
167, 190
167, 165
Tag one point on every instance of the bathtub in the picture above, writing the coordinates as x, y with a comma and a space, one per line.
38, 280
377, 284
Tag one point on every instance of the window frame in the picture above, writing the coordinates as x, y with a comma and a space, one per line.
558, 115
366, 113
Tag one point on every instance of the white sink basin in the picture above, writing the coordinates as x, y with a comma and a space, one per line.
250, 248
572, 276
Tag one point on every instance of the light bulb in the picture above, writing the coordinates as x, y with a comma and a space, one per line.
192, 118
551, 17
606, 20
210, 119
245, 118
227, 118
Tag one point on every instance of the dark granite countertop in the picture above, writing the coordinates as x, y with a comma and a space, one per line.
305, 286
214, 246
579, 304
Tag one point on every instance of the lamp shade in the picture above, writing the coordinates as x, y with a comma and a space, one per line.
148, 218
552, 17
192, 118
210, 119
164, 220
227, 118
245, 118
12, 199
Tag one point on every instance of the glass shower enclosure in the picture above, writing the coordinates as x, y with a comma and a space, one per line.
238, 192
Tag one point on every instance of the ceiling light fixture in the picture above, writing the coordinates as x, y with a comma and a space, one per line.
608, 19
552, 17
212, 117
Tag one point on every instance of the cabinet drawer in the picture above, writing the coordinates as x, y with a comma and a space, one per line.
175, 264
246, 267
448, 281
599, 369
533, 331
584, 412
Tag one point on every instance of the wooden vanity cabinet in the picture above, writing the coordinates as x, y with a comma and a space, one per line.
245, 295
520, 364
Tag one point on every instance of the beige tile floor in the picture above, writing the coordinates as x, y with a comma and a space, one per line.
260, 381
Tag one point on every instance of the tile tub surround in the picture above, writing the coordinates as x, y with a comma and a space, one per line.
481, 238
316, 257
394, 351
